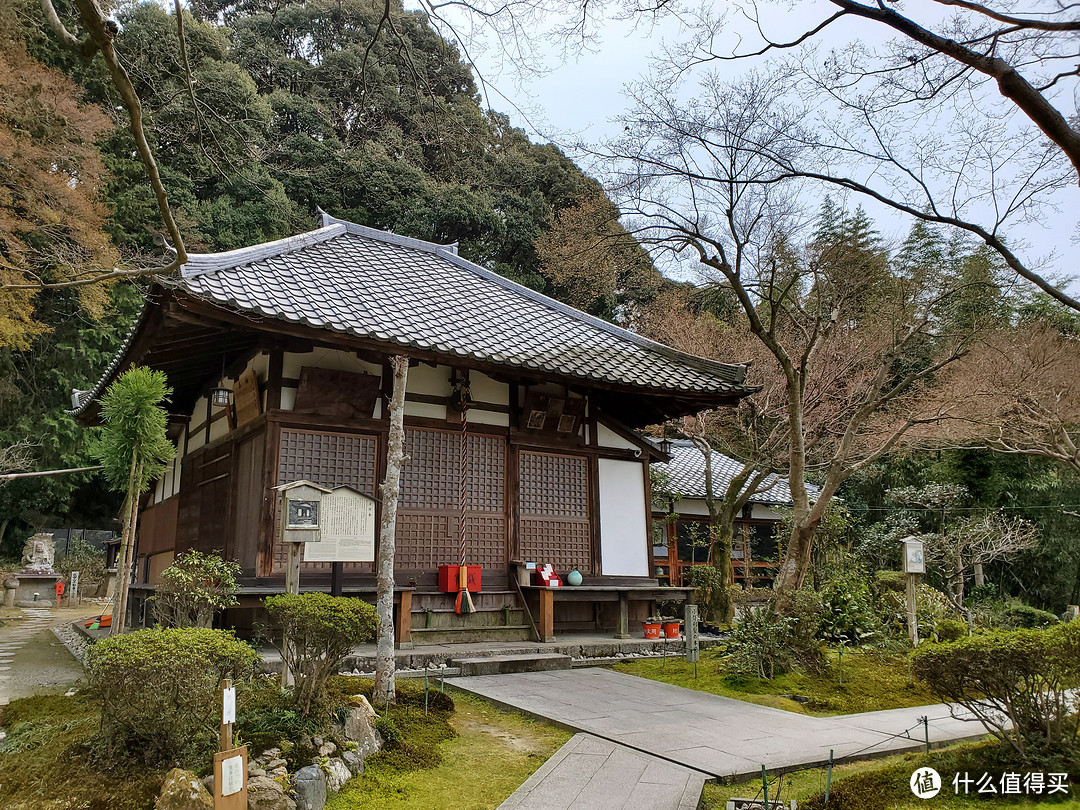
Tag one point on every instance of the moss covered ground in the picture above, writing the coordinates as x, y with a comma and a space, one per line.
485, 756
47, 761
865, 681
884, 784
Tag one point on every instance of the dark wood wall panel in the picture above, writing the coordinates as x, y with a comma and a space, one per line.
329, 459
203, 513
249, 501
157, 526
554, 511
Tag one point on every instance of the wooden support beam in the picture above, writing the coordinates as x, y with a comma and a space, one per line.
622, 629
547, 615
403, 629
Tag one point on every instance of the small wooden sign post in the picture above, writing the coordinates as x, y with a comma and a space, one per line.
301, 522
230, 764
914, 564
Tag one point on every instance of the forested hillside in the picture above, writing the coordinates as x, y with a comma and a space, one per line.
291, 109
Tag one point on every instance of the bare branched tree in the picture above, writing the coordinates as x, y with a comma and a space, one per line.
966, 118
852, 342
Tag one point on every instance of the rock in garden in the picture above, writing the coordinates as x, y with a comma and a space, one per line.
337, 774
266, 794
327, 749
309, 785
354, 762
359, 727
183, 791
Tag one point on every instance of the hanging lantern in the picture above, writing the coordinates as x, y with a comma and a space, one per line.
220, 397
665, 446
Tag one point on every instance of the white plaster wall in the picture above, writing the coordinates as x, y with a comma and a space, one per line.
424, 409
489, 417
606, 437
424, 379
623, 540
695, 506
485, 389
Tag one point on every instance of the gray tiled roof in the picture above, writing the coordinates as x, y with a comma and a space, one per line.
348, 278
686, 472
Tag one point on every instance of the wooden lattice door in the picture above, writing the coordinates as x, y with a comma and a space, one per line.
429, 514
554, 510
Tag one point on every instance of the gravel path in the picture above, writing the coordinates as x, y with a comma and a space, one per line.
34, 653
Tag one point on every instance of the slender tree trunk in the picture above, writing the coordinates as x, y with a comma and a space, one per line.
3, 529
390, 490
127, 547
723, 533
797, 556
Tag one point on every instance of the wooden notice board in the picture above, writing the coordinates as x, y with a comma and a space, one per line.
246, 395
230, 779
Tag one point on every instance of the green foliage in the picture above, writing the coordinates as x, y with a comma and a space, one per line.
159, 691
267, 716
84, 558
132, 445
194, 588
321, 631
709, 581
767, 643
950, 630
1016, 682
1016, 617
848, 616
388, 729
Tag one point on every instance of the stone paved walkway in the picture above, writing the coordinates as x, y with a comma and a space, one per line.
715, 736
32, 658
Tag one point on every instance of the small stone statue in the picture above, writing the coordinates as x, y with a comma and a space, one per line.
38, 553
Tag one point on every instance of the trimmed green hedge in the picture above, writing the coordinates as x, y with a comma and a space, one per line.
159, 691
1017, 678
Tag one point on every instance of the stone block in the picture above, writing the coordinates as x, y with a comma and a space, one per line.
309, 785
183, 791
265, 793
506, 664
337, 774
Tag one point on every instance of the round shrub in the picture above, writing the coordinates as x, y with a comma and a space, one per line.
950, 630
159, 691
321, 632
1025, 616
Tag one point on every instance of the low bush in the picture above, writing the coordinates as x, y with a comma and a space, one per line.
321, 631
848, 616
1016, 682
1017, 617
194, 588
159, 691
950, 630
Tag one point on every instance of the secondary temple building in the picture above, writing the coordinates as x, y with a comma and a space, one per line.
278, 358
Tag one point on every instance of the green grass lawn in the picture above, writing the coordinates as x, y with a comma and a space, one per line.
491, 753
871, 680
883, 784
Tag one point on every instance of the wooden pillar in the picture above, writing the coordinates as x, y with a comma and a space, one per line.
337, 575
622, 629
403, 629
547, 615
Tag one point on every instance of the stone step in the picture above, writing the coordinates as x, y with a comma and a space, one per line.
473, 634
506, 664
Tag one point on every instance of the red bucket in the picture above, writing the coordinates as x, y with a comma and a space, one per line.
652, 629
671, 629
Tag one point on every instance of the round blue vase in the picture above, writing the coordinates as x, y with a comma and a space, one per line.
573, 578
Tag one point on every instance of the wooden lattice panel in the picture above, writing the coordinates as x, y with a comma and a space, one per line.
431, 478
554, 508
329, 459
429, 516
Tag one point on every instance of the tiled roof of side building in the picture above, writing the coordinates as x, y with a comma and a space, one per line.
355, 280
686, 474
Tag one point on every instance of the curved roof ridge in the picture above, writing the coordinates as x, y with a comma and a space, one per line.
199, 263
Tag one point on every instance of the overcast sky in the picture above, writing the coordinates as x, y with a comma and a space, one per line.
579, 99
